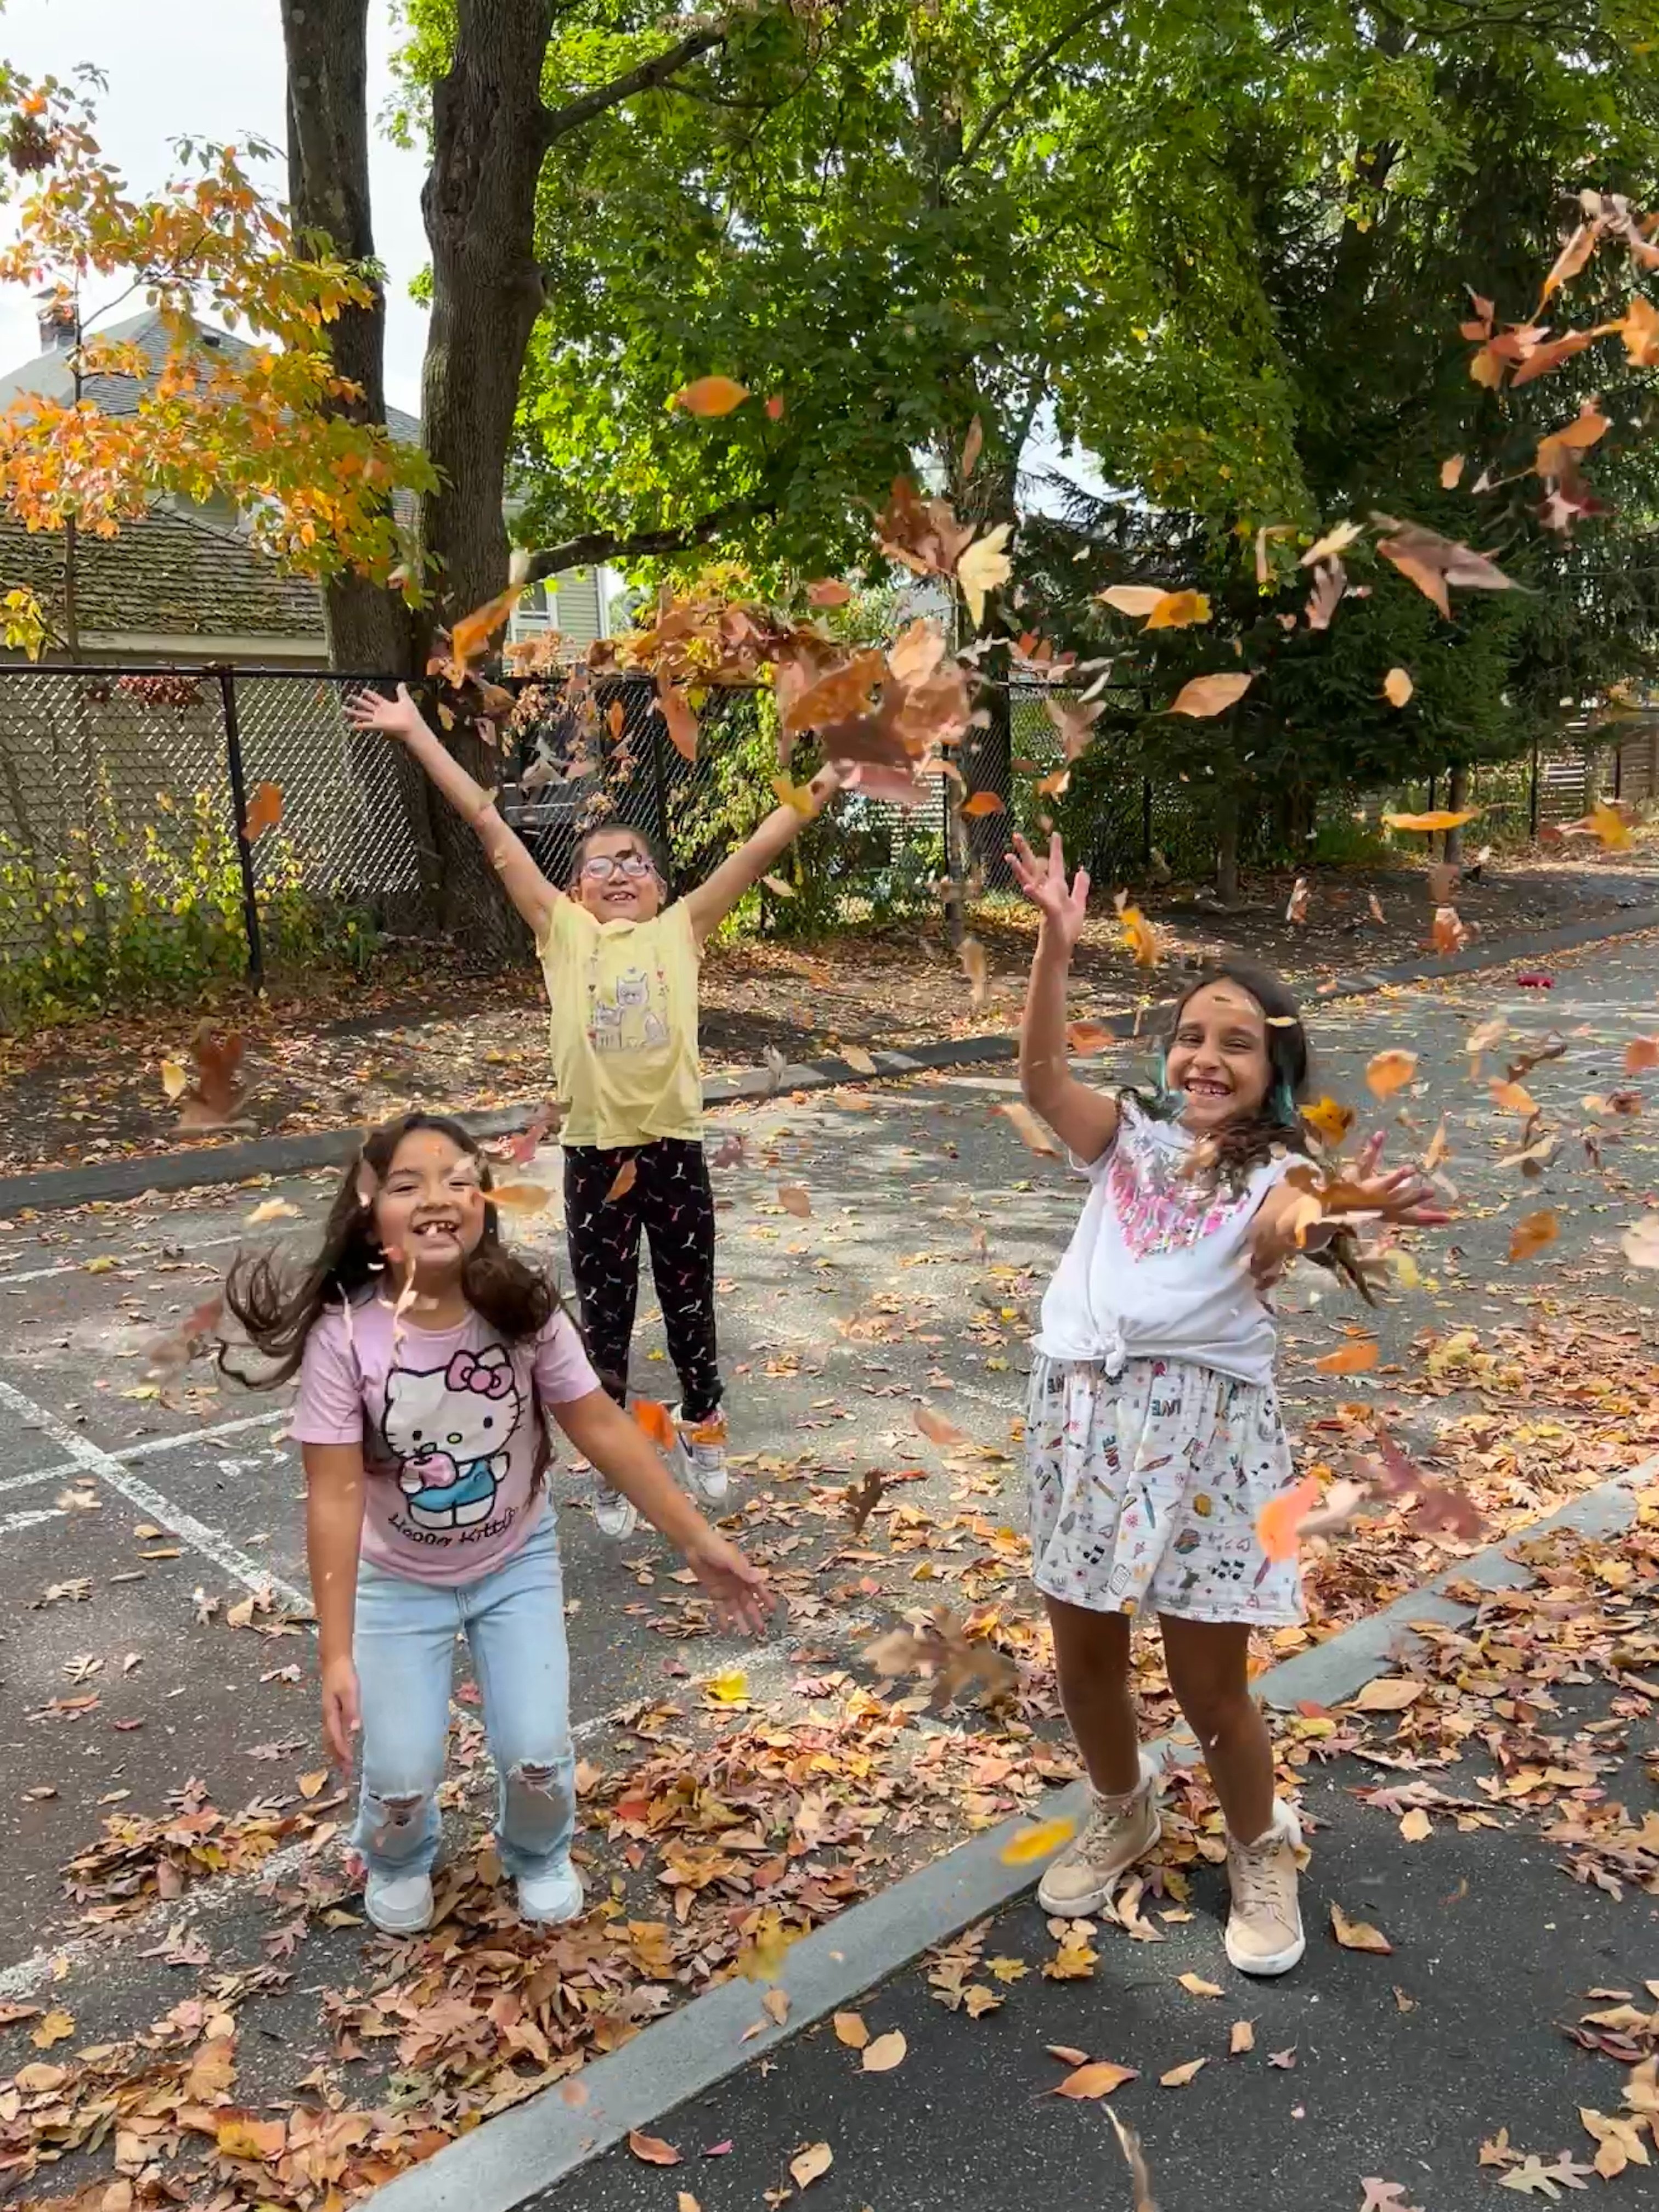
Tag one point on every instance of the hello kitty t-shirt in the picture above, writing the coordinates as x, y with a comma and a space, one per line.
447, 1421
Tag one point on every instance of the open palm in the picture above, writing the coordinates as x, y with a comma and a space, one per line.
1064, 907
396, 718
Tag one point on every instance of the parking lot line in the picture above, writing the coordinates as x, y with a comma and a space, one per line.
151, 1448
128, 1260
90, 1458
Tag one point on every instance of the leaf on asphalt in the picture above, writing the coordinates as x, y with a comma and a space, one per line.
1388, 1071
886, 2052
1416, 1827
729, 1687
1097, 2077
243, 2136
1037, 1843
1032, 1132
1179, 2076
850, 2030
1397, 687
795, 1199
56, 2026
938, 1429
1241, 2038
1350, 1359
710, 396
1357, 1934
1195, 1985
1384, 2195
684, 2200
1532, 2178
1210, 694
651, 2149
1533, 1233
859, 1061
1387, 1693
1618, 2141
810, 2165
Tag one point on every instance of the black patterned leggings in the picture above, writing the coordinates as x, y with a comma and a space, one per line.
672, 1200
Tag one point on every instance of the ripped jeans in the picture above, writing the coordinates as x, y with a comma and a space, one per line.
403, 1648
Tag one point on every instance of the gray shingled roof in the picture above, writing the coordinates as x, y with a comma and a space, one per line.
49, 373
168, 573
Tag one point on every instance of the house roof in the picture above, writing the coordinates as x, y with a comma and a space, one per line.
166, 573
49, 373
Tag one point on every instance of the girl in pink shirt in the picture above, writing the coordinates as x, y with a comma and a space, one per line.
430, 1358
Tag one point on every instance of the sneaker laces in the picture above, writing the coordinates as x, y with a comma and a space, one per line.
1252, 1877
1108, 1819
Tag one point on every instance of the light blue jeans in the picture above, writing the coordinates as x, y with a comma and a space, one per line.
403, 1648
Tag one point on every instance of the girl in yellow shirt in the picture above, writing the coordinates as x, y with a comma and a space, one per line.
621, 968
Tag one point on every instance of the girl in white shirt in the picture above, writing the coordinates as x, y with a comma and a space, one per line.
1154, 1437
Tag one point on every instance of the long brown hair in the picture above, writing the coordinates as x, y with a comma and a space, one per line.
278, 1306
1237, 1146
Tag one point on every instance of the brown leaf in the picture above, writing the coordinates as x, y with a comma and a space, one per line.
1196, 1986
1210, 694
1533, 1233
621, 1182
970, 447
678, 719
850, 2030
829, 591
1030, 1129
651, 2149
793, 1199
1098, 2078
265, 809
1357, 1934
938, 1429
1179, 2076
1243, 2037
1387, 1693
886, 2052
810, 2165
1571, 258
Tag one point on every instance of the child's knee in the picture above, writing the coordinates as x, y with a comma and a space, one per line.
1218, 1711
540, 1801
395, 1823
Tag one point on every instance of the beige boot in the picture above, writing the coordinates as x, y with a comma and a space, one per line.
1264, 1927
1118, 1832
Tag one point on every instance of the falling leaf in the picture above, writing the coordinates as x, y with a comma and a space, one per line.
57, 2026
1196, 1986
265, 809
651, 2149
1357, 1934
1448, 934
1350, 1359
777, 886
775, 408
1140, 938
518, 1197
1641, 1054
1034, 1844
938, 1429
272, 1209
175, 1079
708, 396
1451, 470
1441, 819
1141, 2180
1179, 611
982, 568
1533, 1233
794, 1198
1555, 453
858, 1060
1386, 1072
1512, 1098
1030, 1129
811, 2164
886, 2052
1179, 2076
829, 591
850, 2030
1279, 1523
1099, 2079
1210, 694
1136, 599
1397, 687
1333, 541
797, 796
677, 718
651, 1415
1331, 1121
981, 803
1242, 2039
1640, 1242
970, 447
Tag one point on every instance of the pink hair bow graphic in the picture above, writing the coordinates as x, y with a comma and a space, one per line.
466, 1372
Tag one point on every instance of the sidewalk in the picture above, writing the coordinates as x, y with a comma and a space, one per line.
1487, 1813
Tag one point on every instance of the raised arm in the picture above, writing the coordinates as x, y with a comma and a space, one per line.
1083, 1119
400, 719
709, 905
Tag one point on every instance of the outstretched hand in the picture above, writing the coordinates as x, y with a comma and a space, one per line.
398, 719
736, 1584
1404, 1195
1063, 907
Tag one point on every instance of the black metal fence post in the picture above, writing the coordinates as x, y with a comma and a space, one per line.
256, 957
1532, 796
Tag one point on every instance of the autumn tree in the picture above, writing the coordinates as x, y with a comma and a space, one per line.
269, 424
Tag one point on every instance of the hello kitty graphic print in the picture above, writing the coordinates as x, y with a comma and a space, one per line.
447, 1421
1158, 1265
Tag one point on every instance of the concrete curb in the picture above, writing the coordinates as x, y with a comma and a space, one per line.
111, 1181
524, 2151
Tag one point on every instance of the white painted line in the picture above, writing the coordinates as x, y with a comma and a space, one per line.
31, 1517
151, 1449
127, 1260
92, 1458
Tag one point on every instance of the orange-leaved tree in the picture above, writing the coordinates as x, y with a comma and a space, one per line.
268, 423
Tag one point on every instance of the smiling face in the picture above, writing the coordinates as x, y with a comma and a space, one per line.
616, 895
429, 1207
1219, 1060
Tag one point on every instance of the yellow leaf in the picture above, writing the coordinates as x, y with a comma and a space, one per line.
1512, 1097
105, 1264
57, 2026
1333, 1121
886, 2052
796, 795
311, 1786
850, 2030
810, 2165
272, 1209
1134, 598
1179, 2076
709, 395
1037, 1843
1179, 611
982, 567
1386, 1072
175, 1079
729, 1689
1357, 1934
245, 2137
1195, 1985
1397, 687
1210, 694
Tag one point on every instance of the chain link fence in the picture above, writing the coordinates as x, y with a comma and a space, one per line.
162, 827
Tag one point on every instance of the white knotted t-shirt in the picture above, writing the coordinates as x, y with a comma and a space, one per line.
1158, 1266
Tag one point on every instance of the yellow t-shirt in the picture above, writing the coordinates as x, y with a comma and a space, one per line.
623, 1025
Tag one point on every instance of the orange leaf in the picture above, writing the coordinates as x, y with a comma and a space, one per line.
624, 1180
1397, 687
1385, 1072
1333, 1121
709, 395
1641, 1053
1533, 1233
1210, 694
654, 1417
1087, 1037
775, 408
473, 632
1357, 1934
829, 591
1134, 598
1512, 1098
265, 809
794, 1200
681, 722
983, 803
1349, 1358
1450, 470
938, 1429
1441, 819
1179, 611
1277, 1523
1099, 2079
652, 2149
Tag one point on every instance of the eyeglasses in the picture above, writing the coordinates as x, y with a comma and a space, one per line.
602, 866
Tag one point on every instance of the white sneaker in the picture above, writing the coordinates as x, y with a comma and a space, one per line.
1118, 1832
1264, 1925
703, 1448
552, 1898
614, 1516
398, 1904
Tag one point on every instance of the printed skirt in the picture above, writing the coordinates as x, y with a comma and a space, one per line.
1146, 1486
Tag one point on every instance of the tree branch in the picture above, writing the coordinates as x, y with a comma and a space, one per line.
559, 122
1028, 71
612, 545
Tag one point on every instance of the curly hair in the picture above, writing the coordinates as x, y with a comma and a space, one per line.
278, 1306
1239, 1146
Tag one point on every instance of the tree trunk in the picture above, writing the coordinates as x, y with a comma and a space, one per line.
368, 627
1457, 797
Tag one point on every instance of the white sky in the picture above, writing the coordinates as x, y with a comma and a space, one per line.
210, 69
